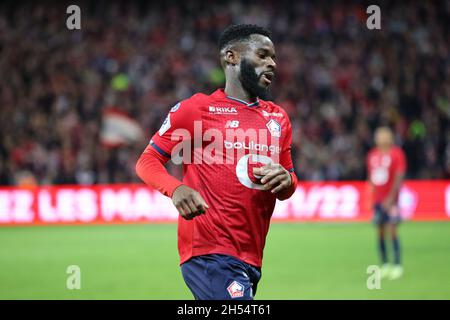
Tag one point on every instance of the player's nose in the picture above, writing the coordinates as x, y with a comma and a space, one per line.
272, 65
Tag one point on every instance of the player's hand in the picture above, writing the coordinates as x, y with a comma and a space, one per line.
188, 202
275, 177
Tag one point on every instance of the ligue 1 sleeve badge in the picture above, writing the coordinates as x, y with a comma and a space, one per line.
175, 107
165, 126
274, 128
236, 289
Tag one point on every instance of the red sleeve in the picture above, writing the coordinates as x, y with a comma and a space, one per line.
150, 168
178, 126
286, 162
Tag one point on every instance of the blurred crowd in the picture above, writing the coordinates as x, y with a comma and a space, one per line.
337, 79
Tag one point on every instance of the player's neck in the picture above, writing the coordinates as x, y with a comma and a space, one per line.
385, 149
237, 91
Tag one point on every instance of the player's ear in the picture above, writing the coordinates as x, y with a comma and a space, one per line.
231, 57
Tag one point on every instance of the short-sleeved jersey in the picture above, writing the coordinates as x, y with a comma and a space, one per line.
222, 140
382, 168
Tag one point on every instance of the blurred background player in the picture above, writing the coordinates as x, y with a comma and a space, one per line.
386, 168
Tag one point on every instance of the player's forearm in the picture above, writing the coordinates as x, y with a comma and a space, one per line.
288, 192
150, 168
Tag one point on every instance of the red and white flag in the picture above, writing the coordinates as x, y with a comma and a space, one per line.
118, 128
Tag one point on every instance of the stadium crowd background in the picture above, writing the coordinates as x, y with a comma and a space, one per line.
336, 79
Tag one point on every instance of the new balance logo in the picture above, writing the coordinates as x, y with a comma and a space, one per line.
222, 110
232, 124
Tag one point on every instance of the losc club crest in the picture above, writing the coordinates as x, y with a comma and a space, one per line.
236, 289
274, 128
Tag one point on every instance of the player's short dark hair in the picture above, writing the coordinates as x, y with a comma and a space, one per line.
239, 32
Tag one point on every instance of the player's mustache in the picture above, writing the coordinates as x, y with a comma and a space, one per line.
269, 74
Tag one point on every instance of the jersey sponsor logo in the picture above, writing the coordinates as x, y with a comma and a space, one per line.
386, 160
175, 107
379, 176
232, 124
242, 170
380, 161
165, 126
379, 171
271, 114
274, 128
236, 289
252, 146
222, 110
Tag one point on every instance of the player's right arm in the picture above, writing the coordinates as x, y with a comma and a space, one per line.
178, 127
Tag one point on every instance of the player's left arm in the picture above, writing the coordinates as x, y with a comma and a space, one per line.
280, 178
400, 168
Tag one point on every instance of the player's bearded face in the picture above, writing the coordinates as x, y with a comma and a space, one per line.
251, 81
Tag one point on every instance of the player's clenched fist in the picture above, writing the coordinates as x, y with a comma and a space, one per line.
275, 177
188, 202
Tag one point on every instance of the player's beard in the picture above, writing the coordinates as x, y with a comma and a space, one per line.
250, 81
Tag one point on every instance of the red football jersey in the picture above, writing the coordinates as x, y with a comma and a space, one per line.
382, 168
223, 139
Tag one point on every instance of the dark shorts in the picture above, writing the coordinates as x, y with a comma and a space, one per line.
220, 277
381, 217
